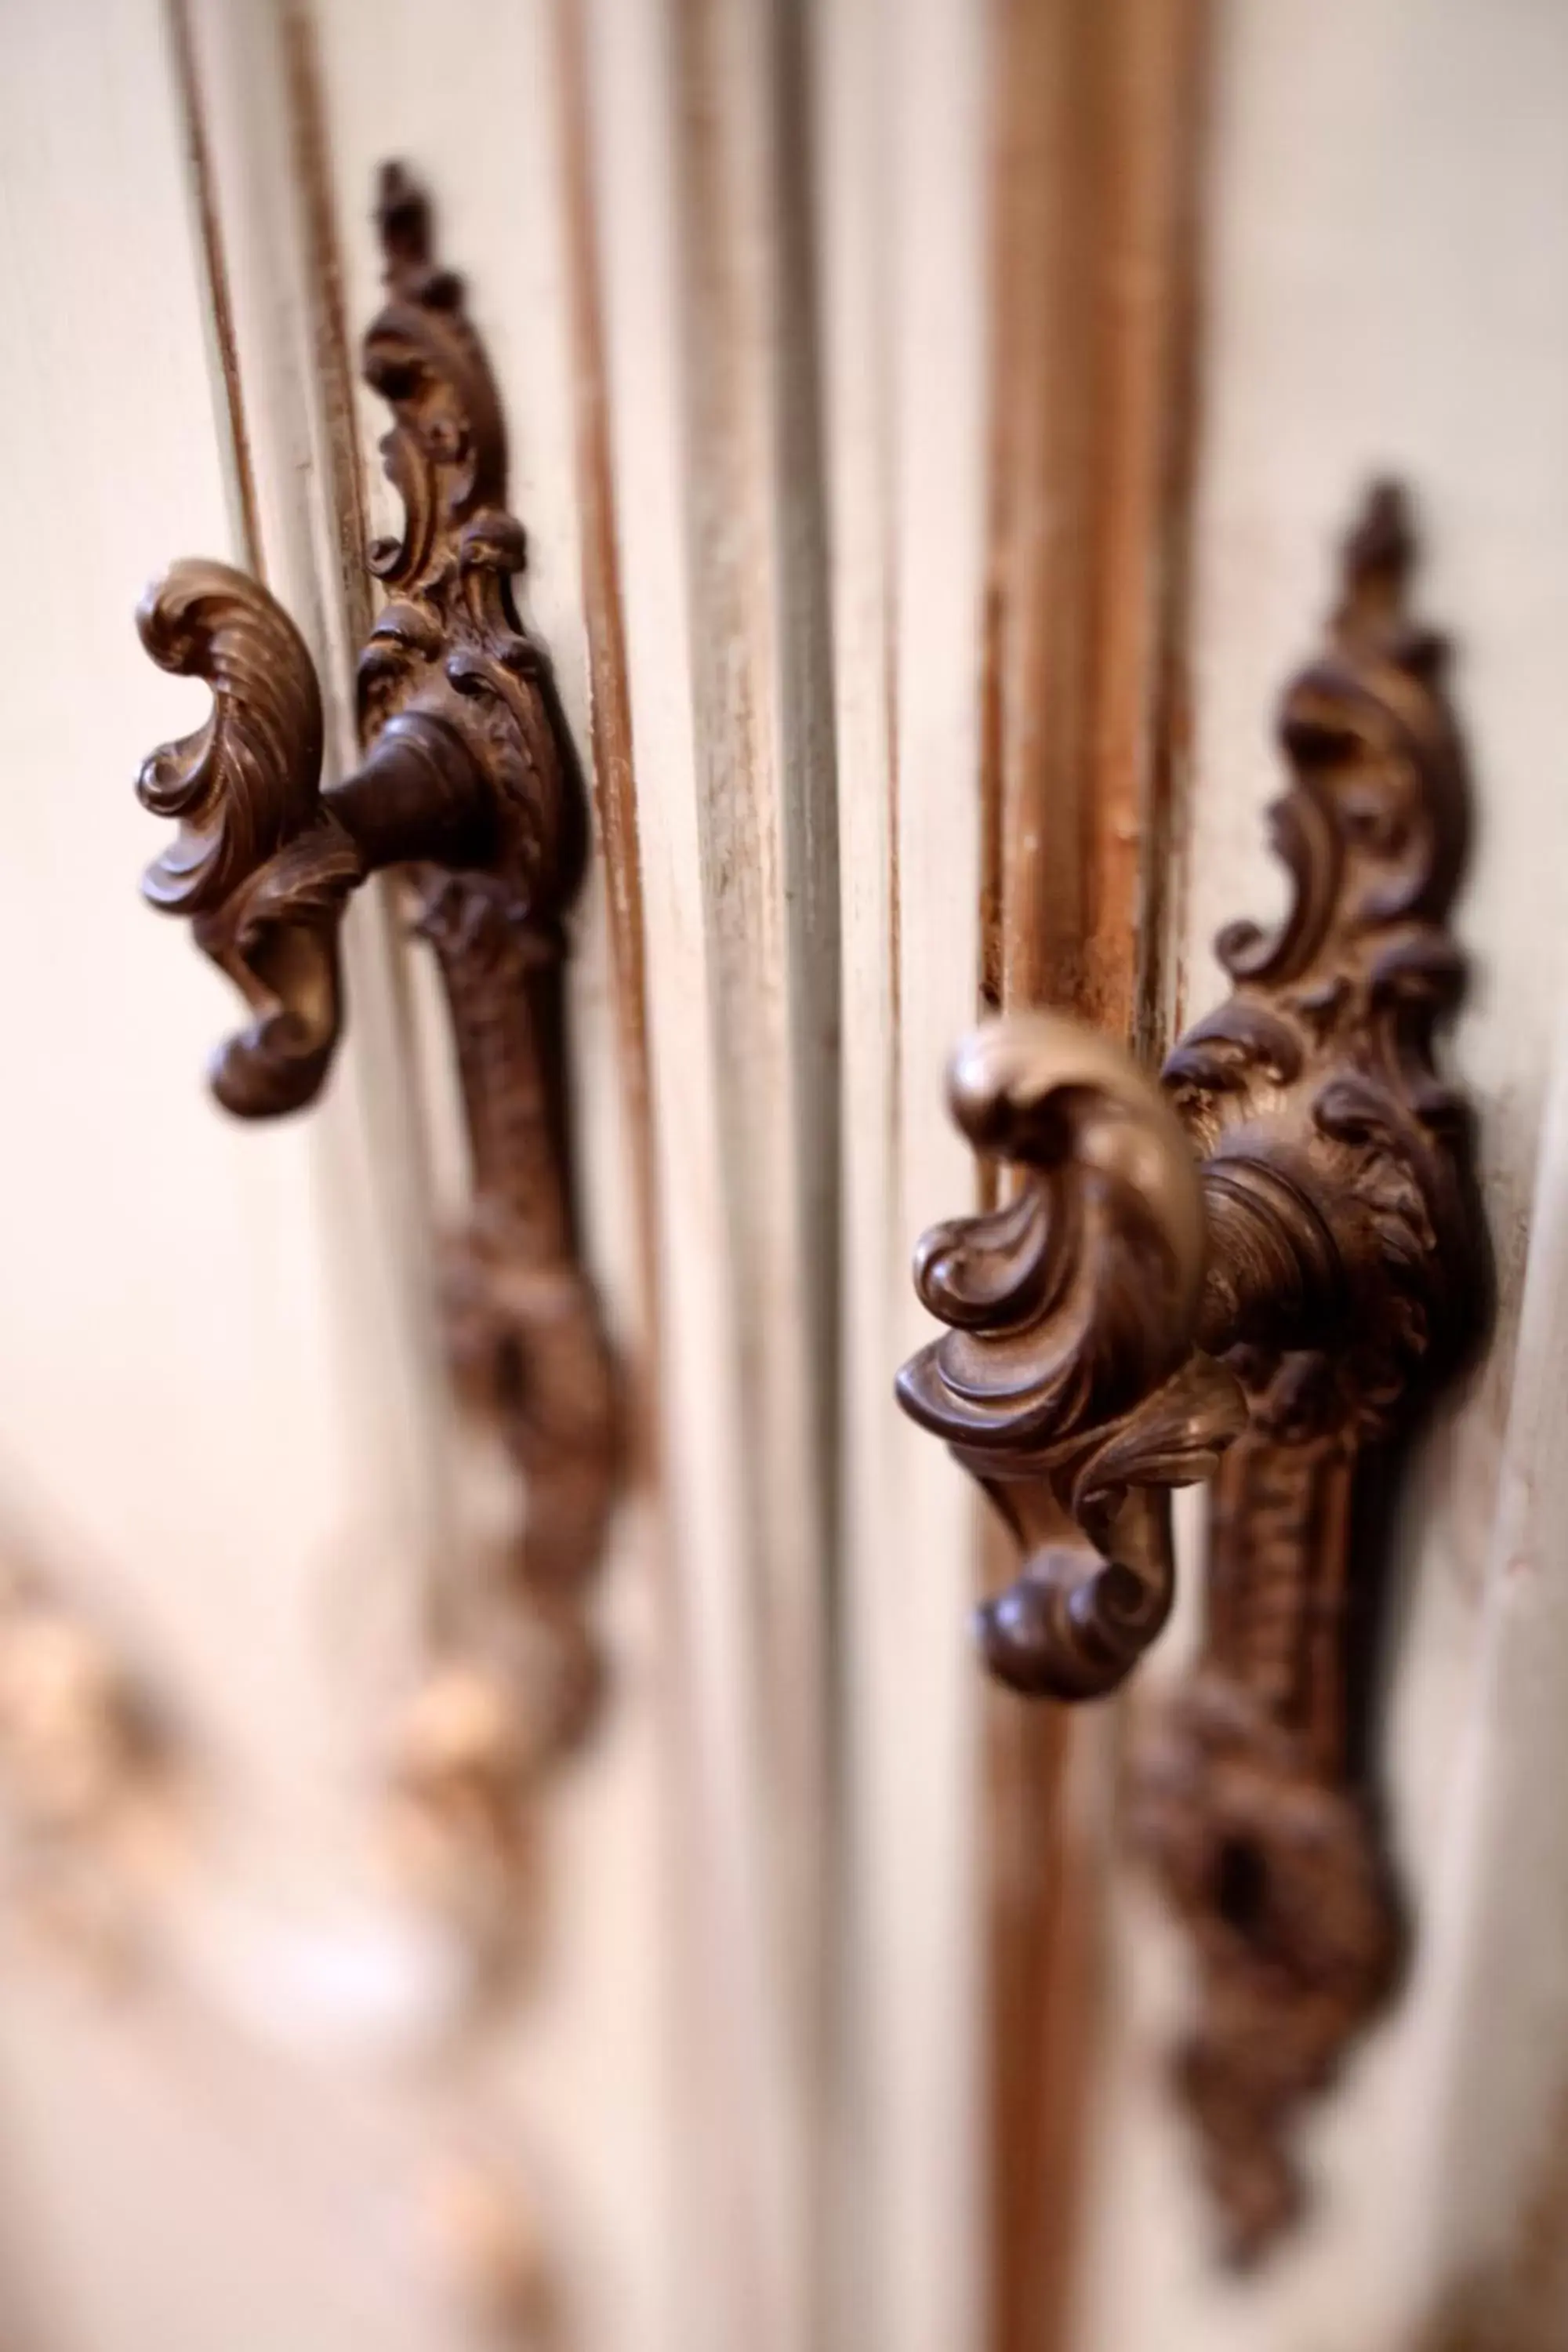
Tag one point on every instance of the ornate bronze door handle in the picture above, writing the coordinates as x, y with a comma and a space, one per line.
469, 786
1259, 1273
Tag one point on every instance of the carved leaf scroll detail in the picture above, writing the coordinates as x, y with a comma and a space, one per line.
1316, 1085
1069, 1381
258, 860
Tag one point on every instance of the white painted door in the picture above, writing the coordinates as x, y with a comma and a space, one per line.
918, 627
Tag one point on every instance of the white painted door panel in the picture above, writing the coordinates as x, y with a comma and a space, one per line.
200, 1388
732, 261
1386, 183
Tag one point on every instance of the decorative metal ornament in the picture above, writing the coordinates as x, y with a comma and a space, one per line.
470, 788
1261, 1274
96, 1784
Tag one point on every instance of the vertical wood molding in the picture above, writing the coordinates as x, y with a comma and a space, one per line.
898, 114
258, 142
691, 128
765, 777
241, 467
613, 767
1095, 127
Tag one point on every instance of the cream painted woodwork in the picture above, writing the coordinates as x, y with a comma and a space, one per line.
731, 260
1384, 185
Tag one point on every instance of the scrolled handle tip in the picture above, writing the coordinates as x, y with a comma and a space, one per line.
270, 1068
249, 779
1071, 1627
257, 863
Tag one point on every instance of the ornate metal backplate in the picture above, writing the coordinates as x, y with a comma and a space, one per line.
96, 1781
470, 788
1253, 1799
1262, 1274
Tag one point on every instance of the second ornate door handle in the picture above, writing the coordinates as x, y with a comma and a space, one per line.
1284, 1238
1258, 1271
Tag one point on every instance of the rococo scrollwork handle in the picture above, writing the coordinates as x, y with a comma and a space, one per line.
1260, 1271
469, 788
260, 864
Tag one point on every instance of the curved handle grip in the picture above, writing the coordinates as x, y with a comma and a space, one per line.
259, 863
1070, 1382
